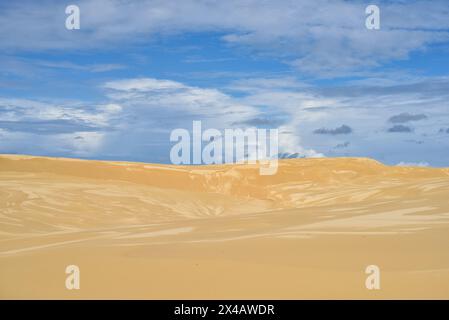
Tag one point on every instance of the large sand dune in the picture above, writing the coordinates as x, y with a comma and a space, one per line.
160, 231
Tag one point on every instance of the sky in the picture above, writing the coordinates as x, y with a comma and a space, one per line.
136, 70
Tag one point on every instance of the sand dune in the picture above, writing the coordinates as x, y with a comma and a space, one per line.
162, 231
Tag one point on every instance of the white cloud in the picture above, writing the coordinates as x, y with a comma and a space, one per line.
142, 112
12, 109
75, 66
290, 142
143, 85
215, 108
297, 109
252, 85
413, 164
322, 38
37, 127
81, 143
111, 108
166, 95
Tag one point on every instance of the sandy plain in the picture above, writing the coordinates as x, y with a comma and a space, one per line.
149, 231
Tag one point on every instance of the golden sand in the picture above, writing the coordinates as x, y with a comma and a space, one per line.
183, 232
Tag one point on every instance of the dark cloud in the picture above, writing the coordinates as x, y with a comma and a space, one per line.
344, 129
442, 130
400, 128
407, 117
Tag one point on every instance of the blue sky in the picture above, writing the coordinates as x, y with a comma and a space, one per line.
135, 71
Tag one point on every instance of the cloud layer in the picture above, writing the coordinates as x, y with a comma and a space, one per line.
117, 87
326, 38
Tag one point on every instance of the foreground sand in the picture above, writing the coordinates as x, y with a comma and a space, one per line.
159, 231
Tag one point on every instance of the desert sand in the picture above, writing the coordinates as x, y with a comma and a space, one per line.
206, 232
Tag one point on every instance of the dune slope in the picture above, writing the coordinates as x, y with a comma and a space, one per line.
161, 231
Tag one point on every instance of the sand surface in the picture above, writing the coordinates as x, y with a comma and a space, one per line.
171, 232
